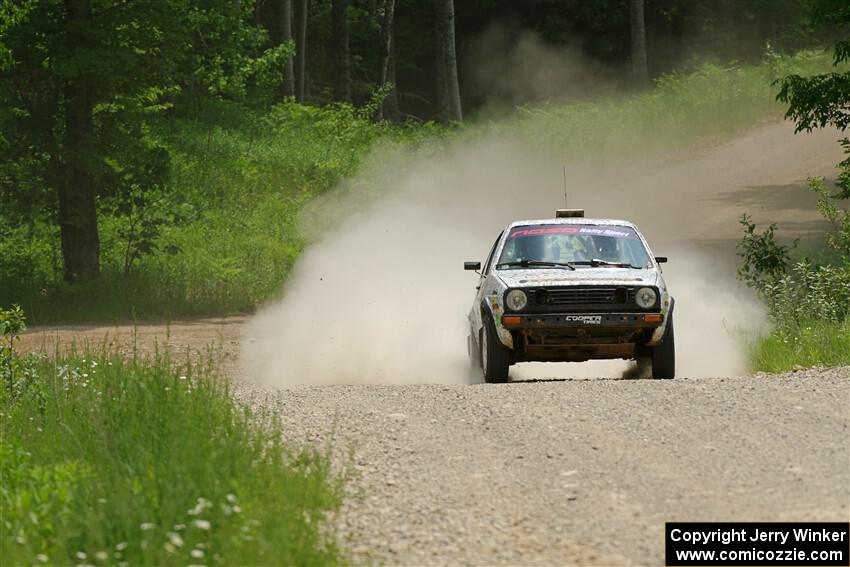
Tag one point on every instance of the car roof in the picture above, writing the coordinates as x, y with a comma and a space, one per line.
572, 220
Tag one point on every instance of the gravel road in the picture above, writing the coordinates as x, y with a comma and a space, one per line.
579, 472
576, 472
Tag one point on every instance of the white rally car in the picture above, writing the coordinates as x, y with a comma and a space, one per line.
570, 289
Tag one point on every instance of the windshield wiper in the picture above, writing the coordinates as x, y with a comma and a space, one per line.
597, 262
533, 263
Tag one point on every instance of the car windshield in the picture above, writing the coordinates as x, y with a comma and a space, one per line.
573, 245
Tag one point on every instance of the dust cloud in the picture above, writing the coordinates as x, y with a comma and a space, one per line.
508, 67
381, 296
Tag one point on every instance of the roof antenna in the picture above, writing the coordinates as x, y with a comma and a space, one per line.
566, 213
565, 186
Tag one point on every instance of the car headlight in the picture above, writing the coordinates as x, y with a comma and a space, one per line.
516, 300
646, 297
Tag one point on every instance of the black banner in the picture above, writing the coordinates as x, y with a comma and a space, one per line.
744, 544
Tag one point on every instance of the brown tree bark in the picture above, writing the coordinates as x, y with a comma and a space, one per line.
448, 88
640, 71
341, 50
285, 19
389, 109
300, 49
76, 188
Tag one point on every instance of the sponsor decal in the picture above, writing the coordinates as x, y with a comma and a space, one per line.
543, 230
618, 233
586, 319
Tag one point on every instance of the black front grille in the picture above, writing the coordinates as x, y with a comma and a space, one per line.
577, 299
574, 297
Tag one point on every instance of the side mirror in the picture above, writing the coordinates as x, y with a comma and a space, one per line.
661, 259
475, 266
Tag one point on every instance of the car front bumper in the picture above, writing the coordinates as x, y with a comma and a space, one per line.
579, 336
583, 320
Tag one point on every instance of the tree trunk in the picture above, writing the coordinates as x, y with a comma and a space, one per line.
341, 50
285, 19
386, 73
391, 108
300, 49
77, 207
448, 88
640, 71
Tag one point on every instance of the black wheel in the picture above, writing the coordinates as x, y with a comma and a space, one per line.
494, 356
664, 355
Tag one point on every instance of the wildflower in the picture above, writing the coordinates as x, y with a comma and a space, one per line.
202, 505
169, 548
41, 558
121, 546
101, 556
179, 527
146, 526
202, 524
197, 553
175, 539
231, 498
81, 555
182, 377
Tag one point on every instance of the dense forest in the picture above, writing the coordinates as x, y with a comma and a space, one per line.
113, 110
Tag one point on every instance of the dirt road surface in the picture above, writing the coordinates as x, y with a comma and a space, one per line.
581, 472
578, 472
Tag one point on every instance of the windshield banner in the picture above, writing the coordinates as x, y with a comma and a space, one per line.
615, 231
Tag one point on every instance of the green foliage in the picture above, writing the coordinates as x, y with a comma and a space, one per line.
12, 324
157, 466
807, 293
685, 109
762, 258
820, 100
218, 233
839, 239
823, 100
213, 228
817, 343
809, 305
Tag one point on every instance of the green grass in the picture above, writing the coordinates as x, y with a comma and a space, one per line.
683, 110
242, 178
816, 344
105, 461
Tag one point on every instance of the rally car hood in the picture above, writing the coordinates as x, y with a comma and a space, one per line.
536, 277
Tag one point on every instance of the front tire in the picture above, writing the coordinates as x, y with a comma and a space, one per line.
664, 355
494, 357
